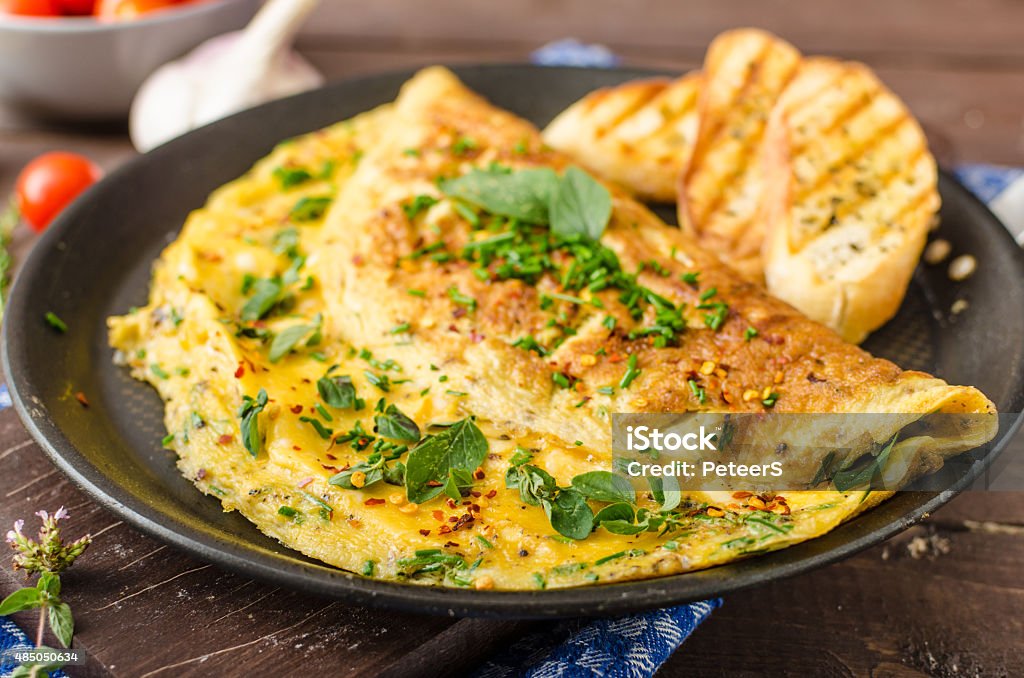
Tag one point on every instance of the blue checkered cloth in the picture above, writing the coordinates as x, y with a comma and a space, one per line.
636, 645
12, 637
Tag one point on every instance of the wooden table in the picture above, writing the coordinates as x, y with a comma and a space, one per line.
145, 609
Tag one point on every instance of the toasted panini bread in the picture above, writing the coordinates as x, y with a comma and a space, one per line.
849, 195
745, 71
638, 135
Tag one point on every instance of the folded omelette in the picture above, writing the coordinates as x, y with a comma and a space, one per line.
396, 344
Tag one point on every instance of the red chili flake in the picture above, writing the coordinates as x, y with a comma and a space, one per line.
451, 503
374, 502
332, 469
475, 508
475, 337
475, 494
358, 260
433, 483
305, 481
331, 456
492, 494
225, 439
452, 519
296, 409
240, 371
616, 358
438, 515
463, 521
296, 448
479, 474
425, 533
444, 529
450, 544
82, 400
459, 312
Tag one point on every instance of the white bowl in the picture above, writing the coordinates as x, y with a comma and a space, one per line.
81, 68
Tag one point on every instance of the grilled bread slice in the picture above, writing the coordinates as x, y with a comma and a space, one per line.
638, 135
849, 196
745, 71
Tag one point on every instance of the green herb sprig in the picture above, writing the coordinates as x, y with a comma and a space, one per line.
249, 414
47, 556
432, 464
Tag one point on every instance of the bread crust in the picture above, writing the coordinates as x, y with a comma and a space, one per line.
849, 195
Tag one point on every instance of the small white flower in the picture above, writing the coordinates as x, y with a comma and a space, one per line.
12, 535
61, 514
43, 515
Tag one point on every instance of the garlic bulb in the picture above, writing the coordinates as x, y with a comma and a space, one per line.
224, 75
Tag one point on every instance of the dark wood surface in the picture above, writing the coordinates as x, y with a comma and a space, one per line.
144, 609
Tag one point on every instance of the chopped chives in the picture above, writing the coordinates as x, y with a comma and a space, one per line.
560, 379
631, 372
55, 322
698, 392
323, 412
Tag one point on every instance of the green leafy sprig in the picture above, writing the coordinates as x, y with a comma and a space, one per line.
47, 555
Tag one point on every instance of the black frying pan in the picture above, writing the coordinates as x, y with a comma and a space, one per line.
95, 261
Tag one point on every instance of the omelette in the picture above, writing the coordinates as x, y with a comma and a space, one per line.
395, 345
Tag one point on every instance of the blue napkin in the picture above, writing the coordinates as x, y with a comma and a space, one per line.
12, 637
631, 646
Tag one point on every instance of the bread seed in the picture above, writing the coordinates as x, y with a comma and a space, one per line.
937, 251
962, 267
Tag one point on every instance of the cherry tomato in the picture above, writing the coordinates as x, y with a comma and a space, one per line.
47, 184
77, 7
122, 10
30, 7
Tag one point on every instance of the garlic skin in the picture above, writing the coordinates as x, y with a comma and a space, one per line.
224, 75
209, 84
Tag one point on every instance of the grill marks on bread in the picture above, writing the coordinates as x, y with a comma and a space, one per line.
851, 194
745, 71
638, 135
